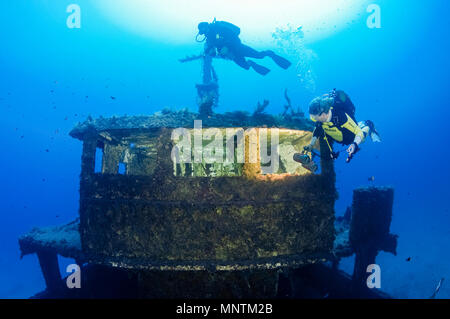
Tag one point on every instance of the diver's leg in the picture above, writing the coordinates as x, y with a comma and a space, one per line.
246, 64
368, 128
252, 53
258, 68
242, 62
247, 51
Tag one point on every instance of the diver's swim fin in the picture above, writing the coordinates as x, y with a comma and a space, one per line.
258, 68
280, 61
375, 137
373, 132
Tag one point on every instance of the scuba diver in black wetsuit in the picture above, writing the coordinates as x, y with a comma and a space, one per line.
334, 114
222, 40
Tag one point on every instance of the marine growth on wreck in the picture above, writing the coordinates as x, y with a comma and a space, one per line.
144, 208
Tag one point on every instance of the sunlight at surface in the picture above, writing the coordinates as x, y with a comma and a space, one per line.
175, 21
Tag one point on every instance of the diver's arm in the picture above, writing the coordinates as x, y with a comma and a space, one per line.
313, 141
310, 146
359, 136
316, 135
358, 140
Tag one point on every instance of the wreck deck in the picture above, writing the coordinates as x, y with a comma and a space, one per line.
63, 240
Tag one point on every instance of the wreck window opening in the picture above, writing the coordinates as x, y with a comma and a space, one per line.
208, 169
131, 155
98, 160
178, 170
122, 169
250, 152
188, 169
214, 162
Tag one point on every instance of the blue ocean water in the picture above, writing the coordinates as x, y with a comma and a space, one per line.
53, 76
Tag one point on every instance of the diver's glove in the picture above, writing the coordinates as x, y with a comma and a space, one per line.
351, 154
308, 148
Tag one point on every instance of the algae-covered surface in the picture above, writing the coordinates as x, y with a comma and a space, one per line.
63, 240
163, 217
175, 119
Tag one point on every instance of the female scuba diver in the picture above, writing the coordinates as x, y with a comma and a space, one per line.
222, 40
334, 114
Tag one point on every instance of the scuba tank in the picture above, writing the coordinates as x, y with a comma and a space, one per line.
232, 30
342, 102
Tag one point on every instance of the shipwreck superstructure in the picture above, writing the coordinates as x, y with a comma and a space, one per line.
200, 228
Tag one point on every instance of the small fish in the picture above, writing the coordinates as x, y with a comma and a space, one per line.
47, 150
437, 289
371, 178
113, 97
408, 259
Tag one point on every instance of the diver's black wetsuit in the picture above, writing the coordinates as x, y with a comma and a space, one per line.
226, 40
342, 127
